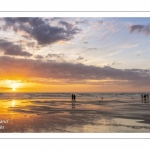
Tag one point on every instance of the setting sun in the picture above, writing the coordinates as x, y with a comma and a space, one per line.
14, 89
14, 85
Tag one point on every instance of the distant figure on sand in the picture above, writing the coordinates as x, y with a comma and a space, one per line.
74, 97
147, 97
73, 101
142, 96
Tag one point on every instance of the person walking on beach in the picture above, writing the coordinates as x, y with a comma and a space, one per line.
74, 97
73, 101
142, 97
147, 97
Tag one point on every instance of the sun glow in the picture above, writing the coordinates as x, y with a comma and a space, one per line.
14, 89
14, 85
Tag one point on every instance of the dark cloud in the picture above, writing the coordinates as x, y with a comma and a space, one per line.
80, 58
66, 24
137, 28
32, 21
11, 49
140, 28
70, 72
43, 32
10, 21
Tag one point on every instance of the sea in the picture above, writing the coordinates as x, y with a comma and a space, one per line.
88, 113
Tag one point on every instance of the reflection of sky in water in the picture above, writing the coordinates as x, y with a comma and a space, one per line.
63, 115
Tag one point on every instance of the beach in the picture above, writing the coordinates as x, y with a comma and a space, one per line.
89, 113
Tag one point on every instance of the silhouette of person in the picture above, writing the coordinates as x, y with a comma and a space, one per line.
72, 97
142, 96
147, 97
73, 101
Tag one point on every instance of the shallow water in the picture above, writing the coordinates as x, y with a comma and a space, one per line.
55, 112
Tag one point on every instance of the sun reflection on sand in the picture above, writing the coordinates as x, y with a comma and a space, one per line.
13, 103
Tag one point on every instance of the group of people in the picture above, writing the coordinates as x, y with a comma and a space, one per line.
73, 100
73, 97
145, 96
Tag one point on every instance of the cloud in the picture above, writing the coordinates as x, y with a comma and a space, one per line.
56, 18
82, 22
41, 31
137, 28
115, 63
38, 57
66, 24
87, 50
100, 22
54, 55
69, 72
80, 58
92, 48
85, 42
20, 20
140, 28
31, 44
11, 49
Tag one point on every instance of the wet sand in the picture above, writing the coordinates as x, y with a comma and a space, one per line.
82, 116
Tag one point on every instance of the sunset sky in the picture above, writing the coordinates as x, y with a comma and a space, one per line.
74, 54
